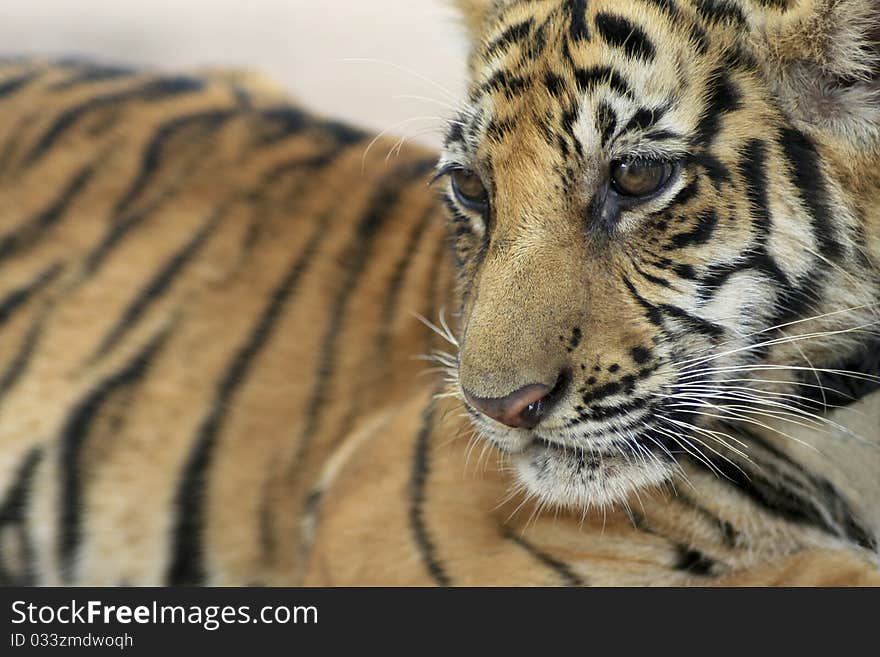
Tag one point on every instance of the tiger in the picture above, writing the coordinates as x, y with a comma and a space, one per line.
619, 331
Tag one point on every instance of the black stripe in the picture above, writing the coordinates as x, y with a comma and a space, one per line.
26, 234
599, 393
617, 31
834, 503
722, 97
268, 504
662, 282
125, 219
716, 170
686, 194
776, 4
606, 121
501, 80
441, 252
71, 440
154, 90
379, 209
661, 134
699, 39
806, 167
307, 164
123, 225
357, 255
187, 567
729, 535
93, 73
578, 29
682, 270
11, 85
383, 339
555, 84
600, 412
152, 156
534, 46
652, 314
15, 137
343, 134
842, 389
754, 171
752, 166
278, 123
157, 286
694, 562
417, 498
23, 294
698, 324
701, 232
13, 516
644, 119
566, 574
22, 358
303, 167
720, 11
634, 423
454, 132
590, 78
569, 116
395, 283
668, 7
461, 223
513, 34
717, 276
783, 500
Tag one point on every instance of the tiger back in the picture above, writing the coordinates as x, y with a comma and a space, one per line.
195, 274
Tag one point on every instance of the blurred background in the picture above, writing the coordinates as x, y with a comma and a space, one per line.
361, 60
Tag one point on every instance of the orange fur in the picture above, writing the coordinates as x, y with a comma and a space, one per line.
208, 331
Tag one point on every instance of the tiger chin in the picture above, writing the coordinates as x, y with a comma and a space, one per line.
665, 222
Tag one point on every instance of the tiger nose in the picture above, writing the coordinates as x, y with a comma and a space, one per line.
522, 409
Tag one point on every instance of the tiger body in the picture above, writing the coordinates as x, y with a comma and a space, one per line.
122, 260
210, 359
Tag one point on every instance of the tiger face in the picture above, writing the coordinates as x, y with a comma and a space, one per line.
650, 202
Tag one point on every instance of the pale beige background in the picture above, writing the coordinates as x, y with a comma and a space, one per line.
301, 43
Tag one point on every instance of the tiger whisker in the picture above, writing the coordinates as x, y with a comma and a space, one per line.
389, 129
714, 435
786, 410
688, 364
678, 437
789, 368
399, 67
444, 333
815, 374
460, 108
751, 392
800, 384
750, 421
709, 447
741, 336
819, 422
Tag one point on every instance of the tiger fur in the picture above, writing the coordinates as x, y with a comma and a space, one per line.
211, 366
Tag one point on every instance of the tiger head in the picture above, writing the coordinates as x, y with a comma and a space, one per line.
653, 202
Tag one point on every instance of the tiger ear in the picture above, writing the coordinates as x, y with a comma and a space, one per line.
823, 59
474, 14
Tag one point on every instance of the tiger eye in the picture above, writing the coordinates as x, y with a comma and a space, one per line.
469, 189
640, 178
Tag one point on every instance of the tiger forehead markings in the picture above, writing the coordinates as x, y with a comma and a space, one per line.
658, 232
